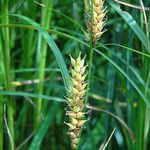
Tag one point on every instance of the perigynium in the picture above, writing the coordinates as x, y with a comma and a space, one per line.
76, 105
97, 22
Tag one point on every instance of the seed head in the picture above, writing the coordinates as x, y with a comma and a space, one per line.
75, 100
98, 20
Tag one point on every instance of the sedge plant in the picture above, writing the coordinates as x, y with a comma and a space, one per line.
95, 23
20, 45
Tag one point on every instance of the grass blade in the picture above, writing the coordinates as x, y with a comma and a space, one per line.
7, 61
43, 128
53, 46
24, 94
132, 23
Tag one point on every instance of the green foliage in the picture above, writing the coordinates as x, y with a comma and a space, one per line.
36, 38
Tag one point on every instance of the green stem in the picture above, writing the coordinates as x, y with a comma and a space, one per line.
77, 147
29, 46
143, 110
2, 76
91, 52
45, 20
5, 5
86, 5
1, 122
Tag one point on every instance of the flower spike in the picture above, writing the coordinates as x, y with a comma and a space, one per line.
98, 21
76, 98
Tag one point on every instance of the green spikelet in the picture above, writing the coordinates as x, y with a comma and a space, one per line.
98, 21
75, 101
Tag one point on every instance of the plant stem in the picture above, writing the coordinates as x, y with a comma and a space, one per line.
1, 97
86, 5
5, 5
91, 52
143, 110
29, 46
45, 20
1, 122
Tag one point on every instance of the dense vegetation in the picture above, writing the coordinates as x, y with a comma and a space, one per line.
36, 39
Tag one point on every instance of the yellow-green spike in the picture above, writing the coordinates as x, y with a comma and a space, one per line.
98, 21
75, 101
